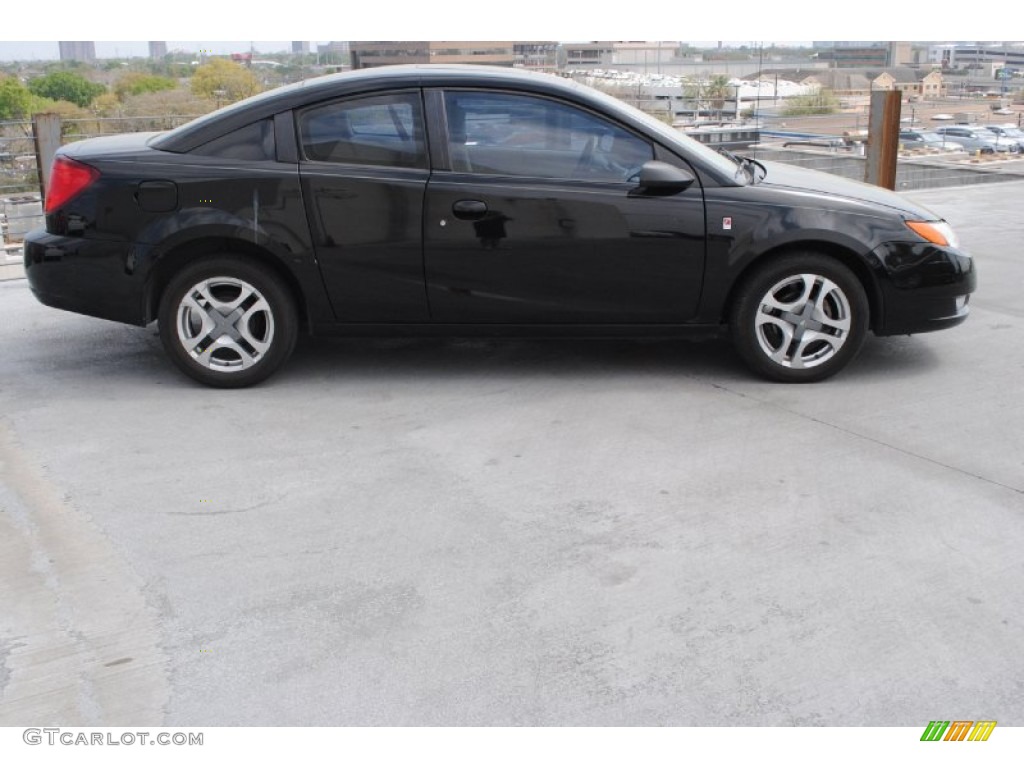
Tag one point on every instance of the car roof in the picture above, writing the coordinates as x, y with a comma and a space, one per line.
215, 124
194, 134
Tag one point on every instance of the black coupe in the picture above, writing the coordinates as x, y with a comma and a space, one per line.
458, 200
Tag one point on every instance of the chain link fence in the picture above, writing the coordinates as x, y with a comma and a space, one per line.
18, 171
20, 196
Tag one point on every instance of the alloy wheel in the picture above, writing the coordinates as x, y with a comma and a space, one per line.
803, 321
225, 324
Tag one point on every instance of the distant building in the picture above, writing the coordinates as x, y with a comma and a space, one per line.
587, 55
381, 53
335, 46
335, 55
300, 47
853, 85
863, 54
539, 55
157, 50
916, 84
77, 51
643, 54
955, 56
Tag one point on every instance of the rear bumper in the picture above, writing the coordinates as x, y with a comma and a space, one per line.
90, 277
924, 287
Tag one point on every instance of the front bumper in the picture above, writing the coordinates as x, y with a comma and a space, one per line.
90, 277
924, 287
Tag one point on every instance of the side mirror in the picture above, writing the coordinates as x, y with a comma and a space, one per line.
658, 178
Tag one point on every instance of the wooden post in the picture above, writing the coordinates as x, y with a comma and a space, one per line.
46, 129
883, 138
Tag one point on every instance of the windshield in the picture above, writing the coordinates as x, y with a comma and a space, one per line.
929, 136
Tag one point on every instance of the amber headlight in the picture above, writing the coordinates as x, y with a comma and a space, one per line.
938, 232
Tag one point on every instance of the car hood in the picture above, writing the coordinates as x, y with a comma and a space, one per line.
782, 176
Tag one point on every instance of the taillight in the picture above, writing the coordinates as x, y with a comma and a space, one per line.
67, 179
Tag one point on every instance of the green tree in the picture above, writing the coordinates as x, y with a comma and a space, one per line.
15, 99
134, 83
821, 102
718, 91
220, 78
66, 86
709, 95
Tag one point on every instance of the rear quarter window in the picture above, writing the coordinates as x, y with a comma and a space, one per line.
252, 142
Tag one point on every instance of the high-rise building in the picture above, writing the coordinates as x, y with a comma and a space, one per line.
157, 50
77, 51
300, 47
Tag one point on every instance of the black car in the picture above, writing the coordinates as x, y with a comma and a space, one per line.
457, 200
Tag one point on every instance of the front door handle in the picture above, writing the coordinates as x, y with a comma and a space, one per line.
469, 210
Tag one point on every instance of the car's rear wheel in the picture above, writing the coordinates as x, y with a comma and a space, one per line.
227, 322
800, 318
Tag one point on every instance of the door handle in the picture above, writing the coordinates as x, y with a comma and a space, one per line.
469, 210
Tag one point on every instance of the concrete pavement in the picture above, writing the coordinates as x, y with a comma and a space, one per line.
542, 533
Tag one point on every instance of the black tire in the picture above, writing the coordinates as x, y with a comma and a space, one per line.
799, 318
237, 349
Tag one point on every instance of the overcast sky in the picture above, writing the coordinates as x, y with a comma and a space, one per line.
779, 20
28, 51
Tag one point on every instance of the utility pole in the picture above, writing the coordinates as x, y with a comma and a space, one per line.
883, 138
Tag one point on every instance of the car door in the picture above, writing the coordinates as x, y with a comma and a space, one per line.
364, 169
531, 217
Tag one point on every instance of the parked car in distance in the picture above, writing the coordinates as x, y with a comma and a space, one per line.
973, 138
461, 200
1010, 133
917, 139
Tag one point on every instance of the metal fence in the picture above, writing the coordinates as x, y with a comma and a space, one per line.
20, 194
19, 173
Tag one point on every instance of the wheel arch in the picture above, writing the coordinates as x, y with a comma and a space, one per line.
183, 254
840, 253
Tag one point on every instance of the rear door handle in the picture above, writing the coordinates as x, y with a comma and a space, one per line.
469, 209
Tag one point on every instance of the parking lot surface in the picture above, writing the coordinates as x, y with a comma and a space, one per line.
508, 532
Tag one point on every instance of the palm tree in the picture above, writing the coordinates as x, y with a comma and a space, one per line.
718, 90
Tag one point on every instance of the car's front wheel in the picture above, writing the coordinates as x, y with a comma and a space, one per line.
227, 322
800, 318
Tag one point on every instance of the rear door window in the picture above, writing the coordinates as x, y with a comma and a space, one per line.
385, 130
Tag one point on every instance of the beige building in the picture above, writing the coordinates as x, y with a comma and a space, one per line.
916, 85
853, 86
382, 53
